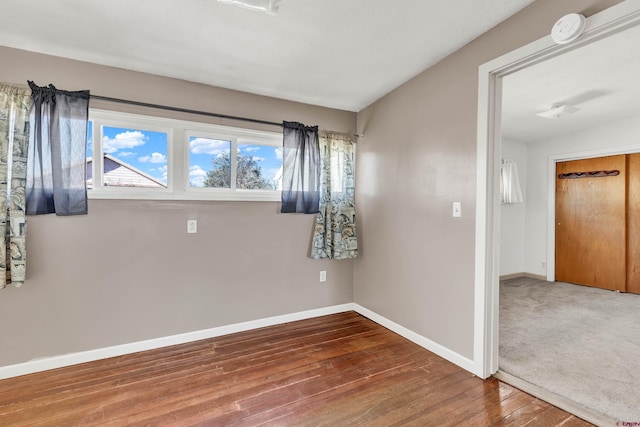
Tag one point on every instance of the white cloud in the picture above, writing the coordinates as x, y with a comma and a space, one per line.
250, 148
197, 175
163, 169
258, 159
128, 139
279, 154
153, 158
196, 170
126, 153
209, 146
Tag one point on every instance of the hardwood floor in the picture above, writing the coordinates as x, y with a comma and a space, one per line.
338, 370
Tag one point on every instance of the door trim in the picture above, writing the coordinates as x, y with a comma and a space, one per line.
487, 248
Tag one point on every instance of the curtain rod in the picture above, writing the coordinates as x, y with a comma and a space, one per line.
184, 110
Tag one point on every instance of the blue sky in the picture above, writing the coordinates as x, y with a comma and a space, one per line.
147, 151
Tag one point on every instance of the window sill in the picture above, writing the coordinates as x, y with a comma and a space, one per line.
237, 196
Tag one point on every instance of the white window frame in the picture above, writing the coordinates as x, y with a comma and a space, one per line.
178, 134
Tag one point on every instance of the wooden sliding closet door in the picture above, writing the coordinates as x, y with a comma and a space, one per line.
633, 223
591, 223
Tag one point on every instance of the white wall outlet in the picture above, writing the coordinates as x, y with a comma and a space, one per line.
457, 209
192, 226
323, 276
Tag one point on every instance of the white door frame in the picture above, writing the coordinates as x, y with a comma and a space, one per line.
487, 250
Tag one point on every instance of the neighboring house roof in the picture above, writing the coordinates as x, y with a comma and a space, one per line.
120, 174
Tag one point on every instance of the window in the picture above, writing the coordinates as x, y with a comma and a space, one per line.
140, 157
236, 164
132, 158
261, 167
209, 162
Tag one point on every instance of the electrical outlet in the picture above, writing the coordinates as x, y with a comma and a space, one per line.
192, 226
543, 265
323, 276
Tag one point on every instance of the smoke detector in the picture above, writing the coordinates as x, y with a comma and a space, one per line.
568, 28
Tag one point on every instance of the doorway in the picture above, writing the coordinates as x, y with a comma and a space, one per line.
608, 22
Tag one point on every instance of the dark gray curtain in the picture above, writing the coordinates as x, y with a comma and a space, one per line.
301, 169
56, 164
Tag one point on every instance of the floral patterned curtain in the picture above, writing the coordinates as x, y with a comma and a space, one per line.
15, 101
335, 236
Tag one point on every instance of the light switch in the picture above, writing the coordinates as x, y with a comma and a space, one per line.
457, 209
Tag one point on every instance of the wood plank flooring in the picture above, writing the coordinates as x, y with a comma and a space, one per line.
338, 370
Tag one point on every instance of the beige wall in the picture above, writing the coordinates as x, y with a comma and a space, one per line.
147, 278
418, 156
129, 272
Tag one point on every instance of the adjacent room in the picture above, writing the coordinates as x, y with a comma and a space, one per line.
276, 212
568, 313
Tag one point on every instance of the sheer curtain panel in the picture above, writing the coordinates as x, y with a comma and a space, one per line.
510, 191
14, 136
56, 177
334, 235
301, 170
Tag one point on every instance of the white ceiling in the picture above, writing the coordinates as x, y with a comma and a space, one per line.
337, 53
601, 79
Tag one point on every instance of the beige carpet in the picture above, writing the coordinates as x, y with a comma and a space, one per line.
578, 342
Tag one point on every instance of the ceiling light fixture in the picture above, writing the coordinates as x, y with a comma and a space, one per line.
269, 7
557, 110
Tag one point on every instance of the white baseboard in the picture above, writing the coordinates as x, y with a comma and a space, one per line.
45, 364
527, 275
426, 343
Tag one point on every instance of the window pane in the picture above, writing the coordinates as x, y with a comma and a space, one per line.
89, 155
259, 167
89, 139
209, 163
134, 158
